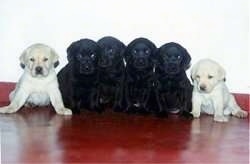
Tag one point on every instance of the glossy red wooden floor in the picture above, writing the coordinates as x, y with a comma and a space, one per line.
40, 136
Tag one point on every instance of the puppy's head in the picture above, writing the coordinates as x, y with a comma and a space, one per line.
39, 60
83, 54
140, 53
112, 51
173, 58
206, 74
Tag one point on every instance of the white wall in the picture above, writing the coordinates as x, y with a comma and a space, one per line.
217, 29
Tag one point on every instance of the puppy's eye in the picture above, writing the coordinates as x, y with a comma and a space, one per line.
32, 59
210, 77
110, 50
147, 51
134, 51
45, 59
178, 57
79, 56
197, 76
92, 55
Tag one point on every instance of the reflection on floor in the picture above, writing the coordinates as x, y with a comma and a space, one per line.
39, 135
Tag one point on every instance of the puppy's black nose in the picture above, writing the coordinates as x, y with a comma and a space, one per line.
141, 61
39, 70
203, 88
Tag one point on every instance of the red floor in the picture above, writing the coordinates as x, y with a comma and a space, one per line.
40, 136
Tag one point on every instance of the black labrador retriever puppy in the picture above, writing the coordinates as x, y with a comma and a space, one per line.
111, 69
173, 88
78, 79
139, 56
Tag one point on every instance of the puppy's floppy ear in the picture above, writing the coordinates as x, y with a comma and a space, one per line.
122, 48
154, 50
222, 73
193, 72
71, 50
55, 57
156, 56
187, 58
127, 54
22, 58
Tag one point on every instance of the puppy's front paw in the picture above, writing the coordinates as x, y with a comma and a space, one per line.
240, 114
196, 114
98, 109
118, 108
143, 110
7, 109
220, 118
64, 111
131, 109
187, 115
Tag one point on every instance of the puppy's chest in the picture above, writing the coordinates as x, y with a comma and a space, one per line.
110, 79
206, 98
141, 80
170, 86
140, 85
84, 85
207, 102
38, 86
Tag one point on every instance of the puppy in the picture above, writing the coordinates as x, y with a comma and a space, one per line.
78, 79
38, 86
210, 93
111, 69
139, 56
173, 88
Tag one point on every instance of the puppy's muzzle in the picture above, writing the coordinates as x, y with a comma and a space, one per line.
86, 69
140, 63
171, 68
202, 87
39, 70
104, 63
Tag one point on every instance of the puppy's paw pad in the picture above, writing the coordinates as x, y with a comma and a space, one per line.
65, 111
220, 118
241, 114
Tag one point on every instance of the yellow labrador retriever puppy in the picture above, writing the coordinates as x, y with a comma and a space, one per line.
38, 85
210, 93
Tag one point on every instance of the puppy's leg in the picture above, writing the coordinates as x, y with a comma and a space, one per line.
161, 103
196, 104
130, 109
94, 103
219, 109
186, 108
144, 106
12, 94
236, 110
56, 101
118, 100
18, 100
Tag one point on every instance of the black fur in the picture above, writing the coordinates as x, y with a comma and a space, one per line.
139, 55
111, 69
173, 88
78, 79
